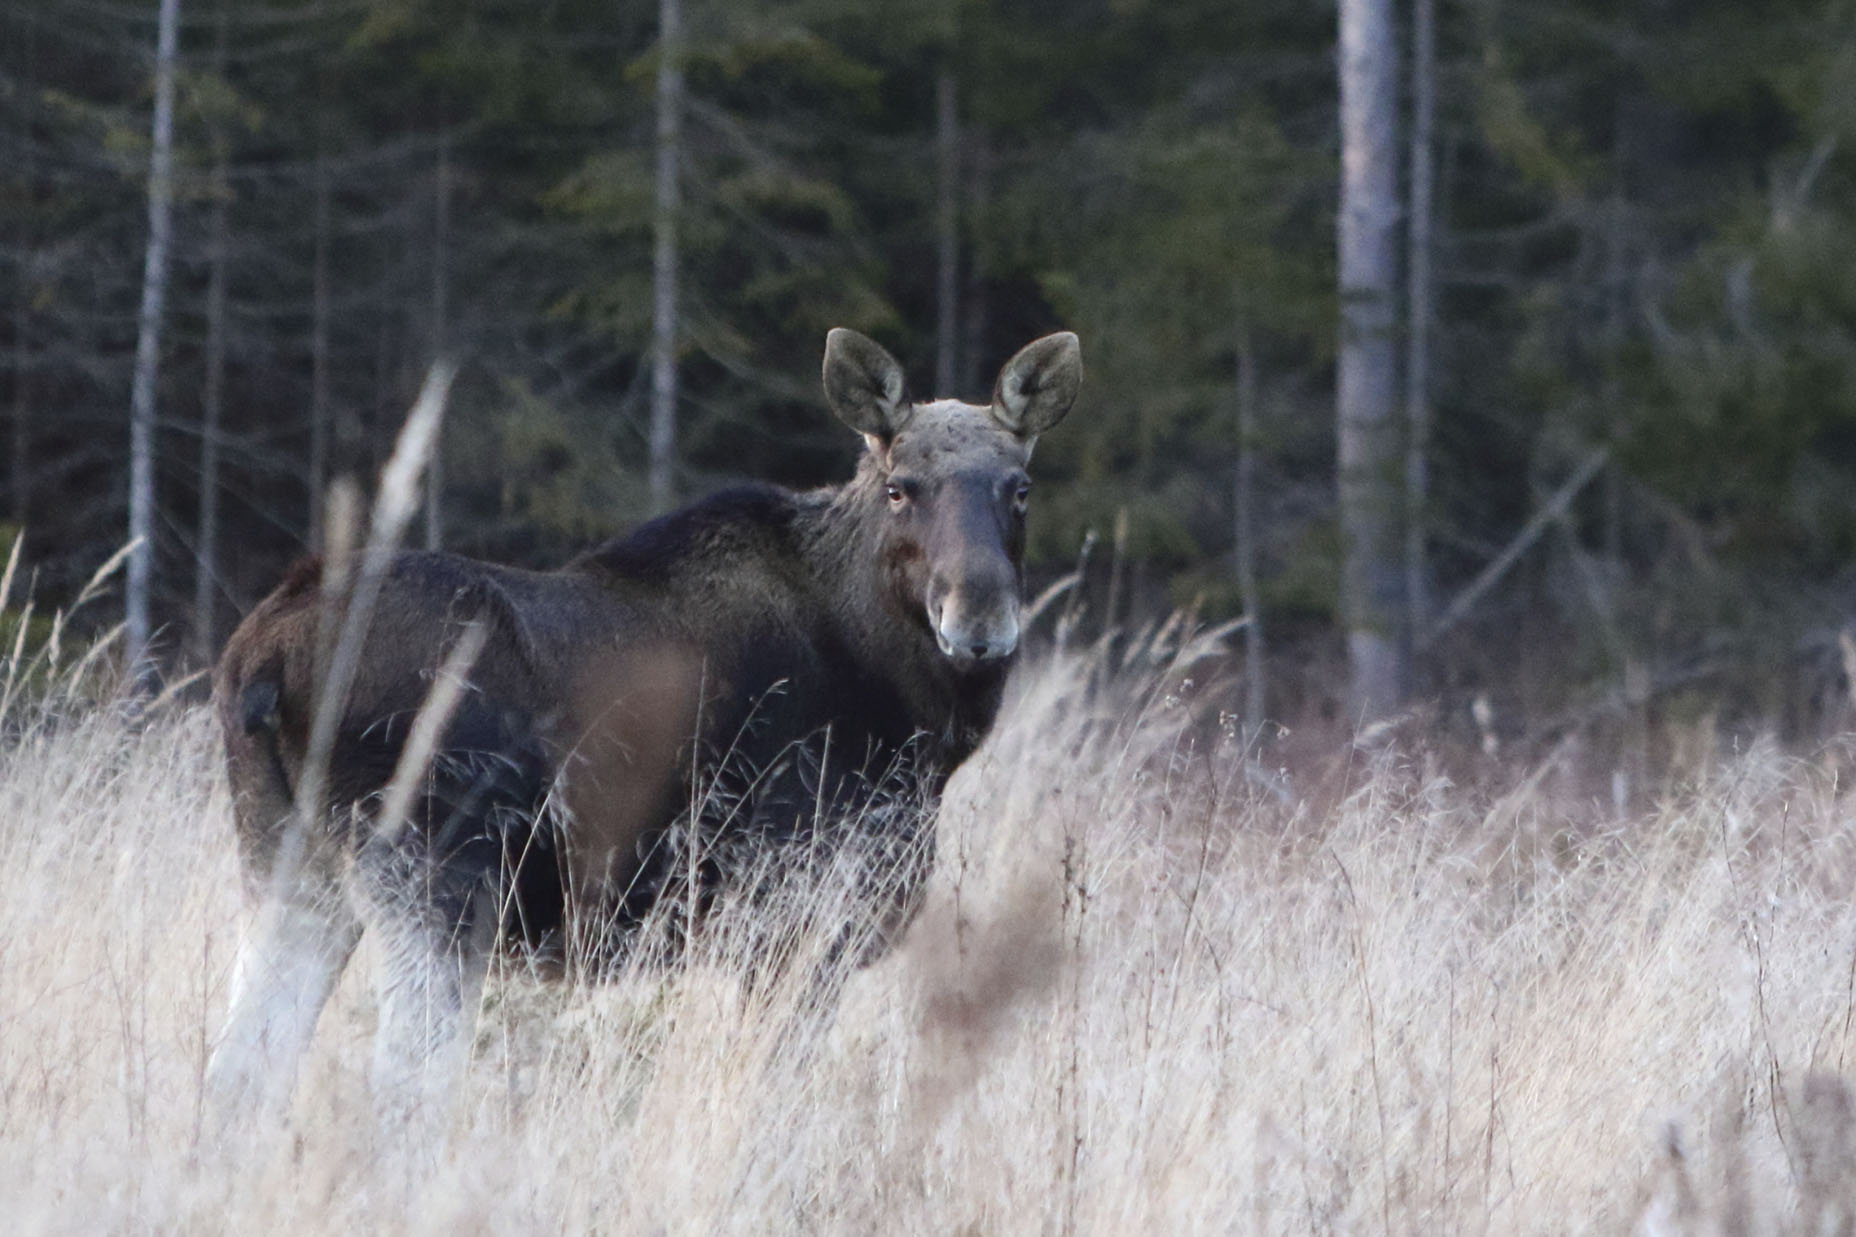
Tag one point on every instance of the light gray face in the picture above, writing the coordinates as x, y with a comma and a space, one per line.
954, 490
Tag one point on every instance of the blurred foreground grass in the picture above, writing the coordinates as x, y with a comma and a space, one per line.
1154, 990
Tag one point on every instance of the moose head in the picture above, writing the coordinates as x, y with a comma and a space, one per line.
947, 484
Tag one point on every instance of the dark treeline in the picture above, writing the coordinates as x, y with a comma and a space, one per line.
1631, 288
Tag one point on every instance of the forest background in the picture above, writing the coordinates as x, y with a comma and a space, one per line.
1616, 455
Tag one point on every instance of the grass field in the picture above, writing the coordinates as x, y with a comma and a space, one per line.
1154, 991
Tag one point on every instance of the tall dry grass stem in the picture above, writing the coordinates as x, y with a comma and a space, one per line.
394, 505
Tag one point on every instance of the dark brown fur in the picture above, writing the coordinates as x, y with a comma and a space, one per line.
760, 670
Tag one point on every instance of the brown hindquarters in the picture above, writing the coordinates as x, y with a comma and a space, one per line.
605, 729
251, 695
633, 715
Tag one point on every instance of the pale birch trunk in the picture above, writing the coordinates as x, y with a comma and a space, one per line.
206, 543
441, 296
148, 346
319, 343
19, 480
20, 472
947, 233
1418, 314
663, 448
1244, 505
973, 316
1372, 582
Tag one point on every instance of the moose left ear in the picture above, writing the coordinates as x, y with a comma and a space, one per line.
1038, 385
864, 385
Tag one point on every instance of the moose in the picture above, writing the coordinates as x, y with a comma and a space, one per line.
751, 682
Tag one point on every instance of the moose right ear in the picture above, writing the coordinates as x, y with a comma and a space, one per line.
1038, 385
864, 385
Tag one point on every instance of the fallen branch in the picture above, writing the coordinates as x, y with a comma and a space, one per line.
1541, 520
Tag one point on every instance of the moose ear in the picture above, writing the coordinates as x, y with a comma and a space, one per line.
1038, 385
864, 385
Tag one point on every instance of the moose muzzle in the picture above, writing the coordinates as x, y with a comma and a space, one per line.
973, 604
971, 629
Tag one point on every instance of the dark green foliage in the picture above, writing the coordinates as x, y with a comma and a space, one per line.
1647, 239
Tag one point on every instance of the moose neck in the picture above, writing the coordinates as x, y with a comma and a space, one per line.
887, 629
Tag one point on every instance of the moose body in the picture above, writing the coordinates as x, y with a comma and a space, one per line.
759, 681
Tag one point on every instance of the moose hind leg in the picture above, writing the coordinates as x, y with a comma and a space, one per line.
434, 888
435, 924
287, 966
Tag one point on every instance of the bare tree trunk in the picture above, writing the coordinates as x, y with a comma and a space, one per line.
664, 262
1617, 304
1418, 313
319, 342
206, 544
973, 319
1244, 505
441, 274
1117, 571
148, 345
20, 480
947, 232
1372, 583
386, 366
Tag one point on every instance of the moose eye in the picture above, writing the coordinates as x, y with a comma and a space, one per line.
897, 496
1021, 497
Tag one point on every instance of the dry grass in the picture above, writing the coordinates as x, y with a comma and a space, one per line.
1151, 993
